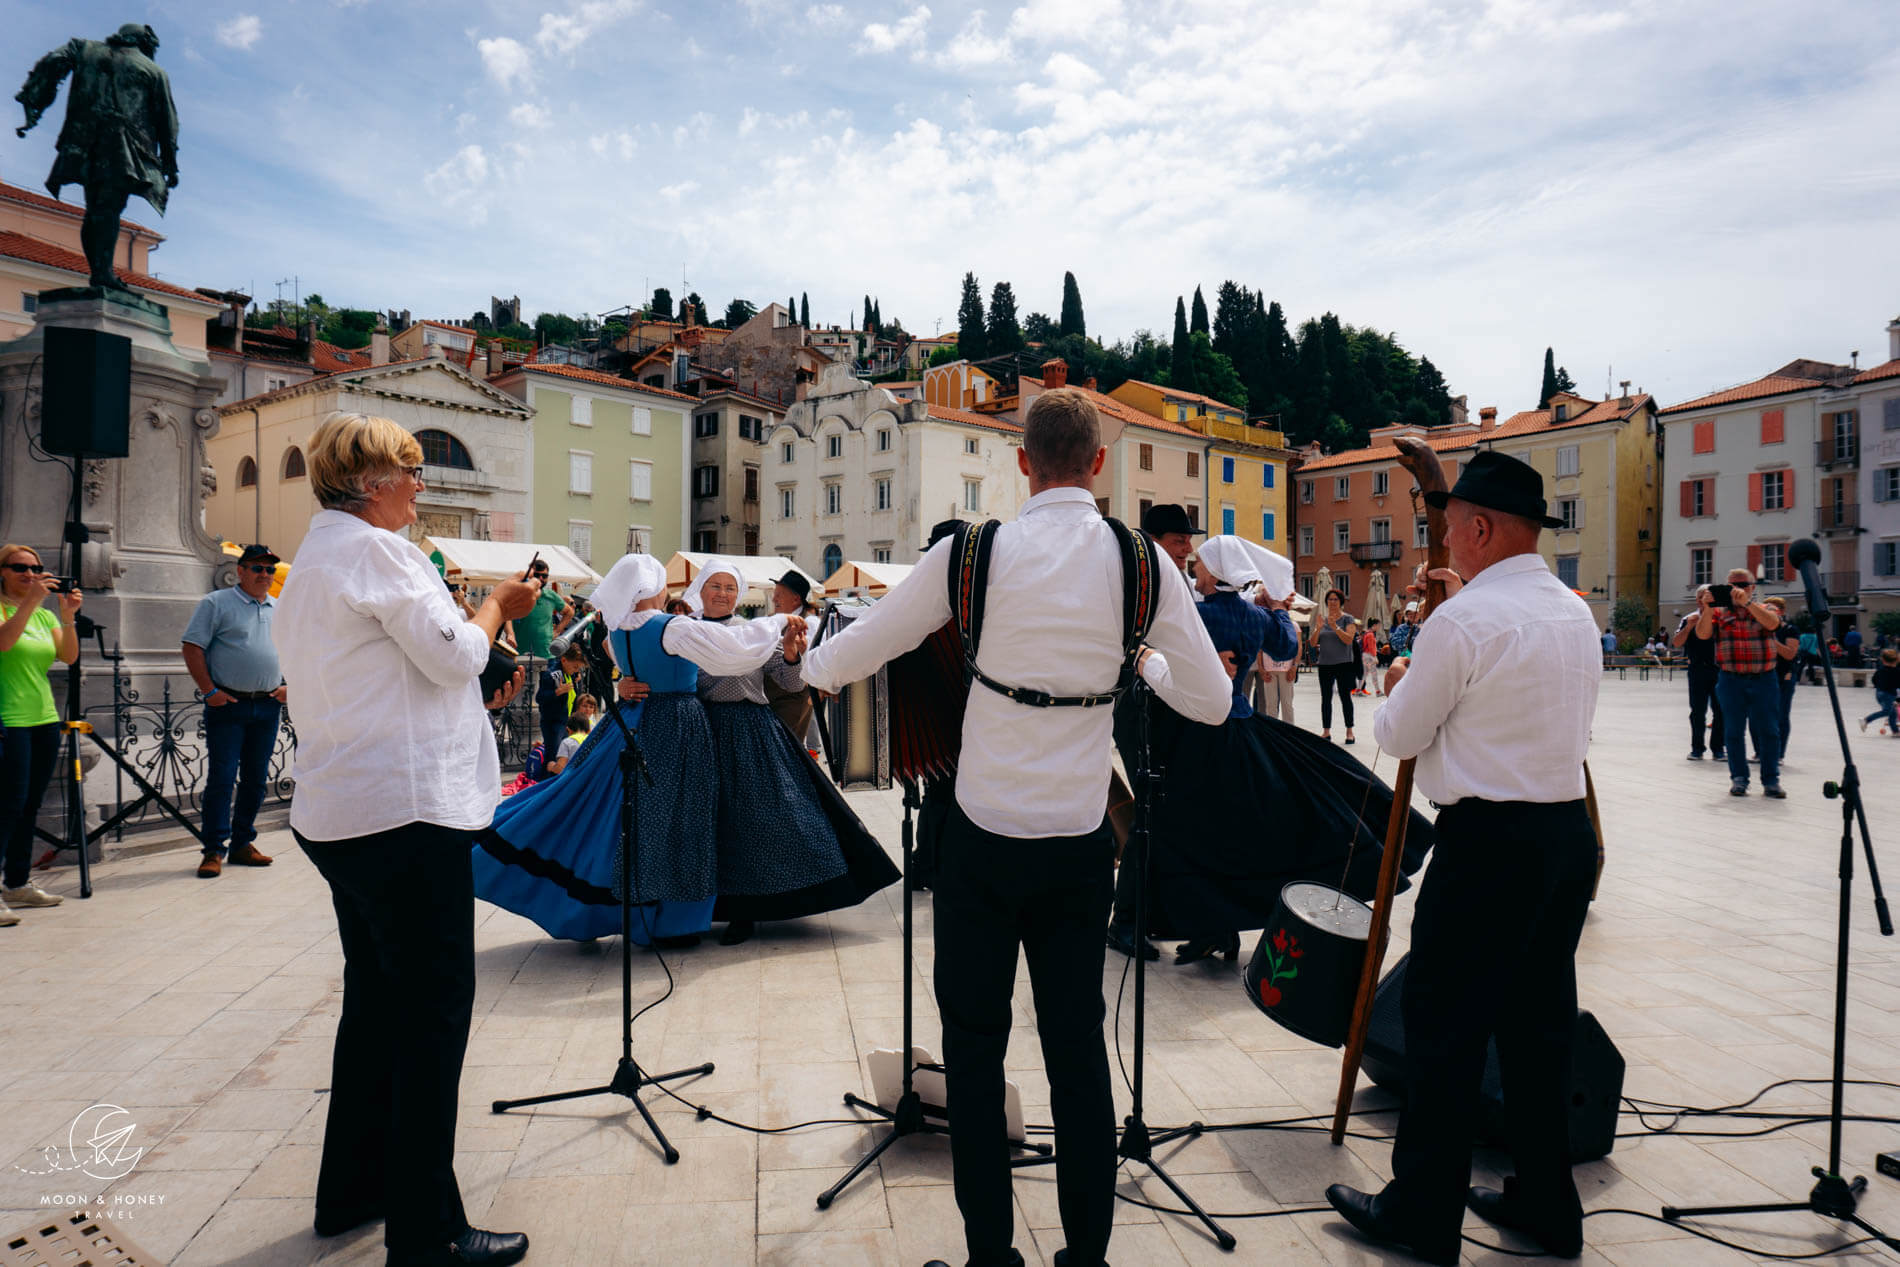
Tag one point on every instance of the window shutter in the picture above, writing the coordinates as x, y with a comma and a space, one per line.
1754, 558
1754, 490
1708, 497
1705, 436
1787, 489
1688, 499
1772, 428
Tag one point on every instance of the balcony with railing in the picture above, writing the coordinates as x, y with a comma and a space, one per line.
1842, 587
1369, 552
458, 477
1842, 451
1832, 517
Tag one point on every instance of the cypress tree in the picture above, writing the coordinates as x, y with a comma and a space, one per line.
1181, 360
1071, 321
1549, 388
877, 317
971, 345
804, 309
791, 310
1003, 334
866, 323
1198, 325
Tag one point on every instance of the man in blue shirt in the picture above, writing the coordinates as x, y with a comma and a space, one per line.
1609, 644
229, 653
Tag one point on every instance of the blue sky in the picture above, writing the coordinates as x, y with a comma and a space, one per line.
1684, 193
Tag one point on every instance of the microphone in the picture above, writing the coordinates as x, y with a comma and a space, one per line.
1805, 555
559, 645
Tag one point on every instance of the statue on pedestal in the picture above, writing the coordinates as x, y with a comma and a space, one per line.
120, 137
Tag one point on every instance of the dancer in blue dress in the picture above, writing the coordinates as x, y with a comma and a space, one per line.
789, 846
553, 851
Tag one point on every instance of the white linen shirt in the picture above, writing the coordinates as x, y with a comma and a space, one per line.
1053, 622
1501, 692
382, 669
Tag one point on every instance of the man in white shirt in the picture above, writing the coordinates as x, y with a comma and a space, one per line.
1494, 935
1027, 857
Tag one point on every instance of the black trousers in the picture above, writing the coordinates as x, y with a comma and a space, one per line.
27, 757
405, 909
1494, 941
1051, 897
1341, 678
1702, 702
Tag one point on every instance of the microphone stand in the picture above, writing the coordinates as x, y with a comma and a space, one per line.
1137, 1141
629, 1079
1833, 1196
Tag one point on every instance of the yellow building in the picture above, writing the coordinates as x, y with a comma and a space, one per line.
1601, 477
1246, 464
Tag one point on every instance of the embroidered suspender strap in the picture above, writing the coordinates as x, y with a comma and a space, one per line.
969, 578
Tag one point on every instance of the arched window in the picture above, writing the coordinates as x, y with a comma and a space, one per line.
439, 448
247, 473
834, 558
293, 463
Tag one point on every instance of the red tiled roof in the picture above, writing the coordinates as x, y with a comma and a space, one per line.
594, 376
1772, 385
1544, 419
1388, 452
987, 421
443, 325
322, 380
1889, 370
21, 247
907, 383
1193, 397
1134, 417
14, 193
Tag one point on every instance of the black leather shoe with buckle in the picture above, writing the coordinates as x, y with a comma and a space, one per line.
1361, 1209
473, 1248
1506, 1209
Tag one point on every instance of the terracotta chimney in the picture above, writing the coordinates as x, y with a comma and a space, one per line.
494, 358
379, 345
1488, 418
1625, 401
308, 337
1893, 339
1090, 384
688, 315
1055, 373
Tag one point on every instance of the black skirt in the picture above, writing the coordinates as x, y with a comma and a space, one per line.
1250, 806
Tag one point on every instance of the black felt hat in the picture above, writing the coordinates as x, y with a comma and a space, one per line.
258, 554
798, 583
1498, 481
1165, 518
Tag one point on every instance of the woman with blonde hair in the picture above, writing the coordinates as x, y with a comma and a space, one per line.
395, 769
31, 638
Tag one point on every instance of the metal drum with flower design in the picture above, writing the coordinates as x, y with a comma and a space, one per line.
1305, 969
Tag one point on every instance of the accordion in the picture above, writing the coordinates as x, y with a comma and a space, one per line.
903, 723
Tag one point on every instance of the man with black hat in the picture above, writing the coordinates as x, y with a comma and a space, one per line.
1494, 935
229, 654
791, 705
1172, 530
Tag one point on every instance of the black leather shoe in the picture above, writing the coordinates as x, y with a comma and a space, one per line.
1505, 1210
738, 931
1227, 946
1361, 1209
473, 1248
1774, 793
337, 1222
1122, 937
1062, 1259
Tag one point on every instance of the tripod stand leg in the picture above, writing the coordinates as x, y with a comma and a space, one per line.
1222, 1237
863, 1164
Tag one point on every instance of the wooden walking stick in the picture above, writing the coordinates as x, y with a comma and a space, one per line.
1417, 457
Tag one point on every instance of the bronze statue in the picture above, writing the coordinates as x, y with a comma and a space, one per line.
120, 137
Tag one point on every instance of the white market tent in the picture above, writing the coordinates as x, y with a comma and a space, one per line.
487, 562
761, 572
875, 579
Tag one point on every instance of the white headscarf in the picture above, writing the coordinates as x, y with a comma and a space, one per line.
712, 568
632, 580
1239, 563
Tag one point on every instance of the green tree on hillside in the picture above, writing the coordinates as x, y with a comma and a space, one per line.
970, 337
1038, 328
1003, 333
1072, 322
804, 309
1197, 321
661, 305
1181, 359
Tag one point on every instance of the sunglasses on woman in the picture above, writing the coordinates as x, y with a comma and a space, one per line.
27, 569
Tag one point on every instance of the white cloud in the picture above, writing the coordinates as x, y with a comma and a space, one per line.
1071, 21
507, 61
831, 15
241, 31
565, 32
882, 37
973, 46
529, 115
748, 121
673, 193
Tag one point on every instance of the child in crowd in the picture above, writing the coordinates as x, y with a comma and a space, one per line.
1886, 690
576, 735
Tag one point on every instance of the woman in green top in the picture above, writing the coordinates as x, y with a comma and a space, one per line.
30, 638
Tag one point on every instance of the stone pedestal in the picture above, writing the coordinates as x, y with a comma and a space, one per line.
150, 559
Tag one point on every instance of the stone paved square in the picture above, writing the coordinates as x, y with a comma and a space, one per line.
205, 1010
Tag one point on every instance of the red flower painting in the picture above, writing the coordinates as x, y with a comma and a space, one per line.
1280, 966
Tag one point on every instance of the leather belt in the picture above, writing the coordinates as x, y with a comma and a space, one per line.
247, 695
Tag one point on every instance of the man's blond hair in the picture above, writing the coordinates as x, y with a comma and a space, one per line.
1062, 433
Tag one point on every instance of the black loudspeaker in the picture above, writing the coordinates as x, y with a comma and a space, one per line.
86, 401
1596, 1075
